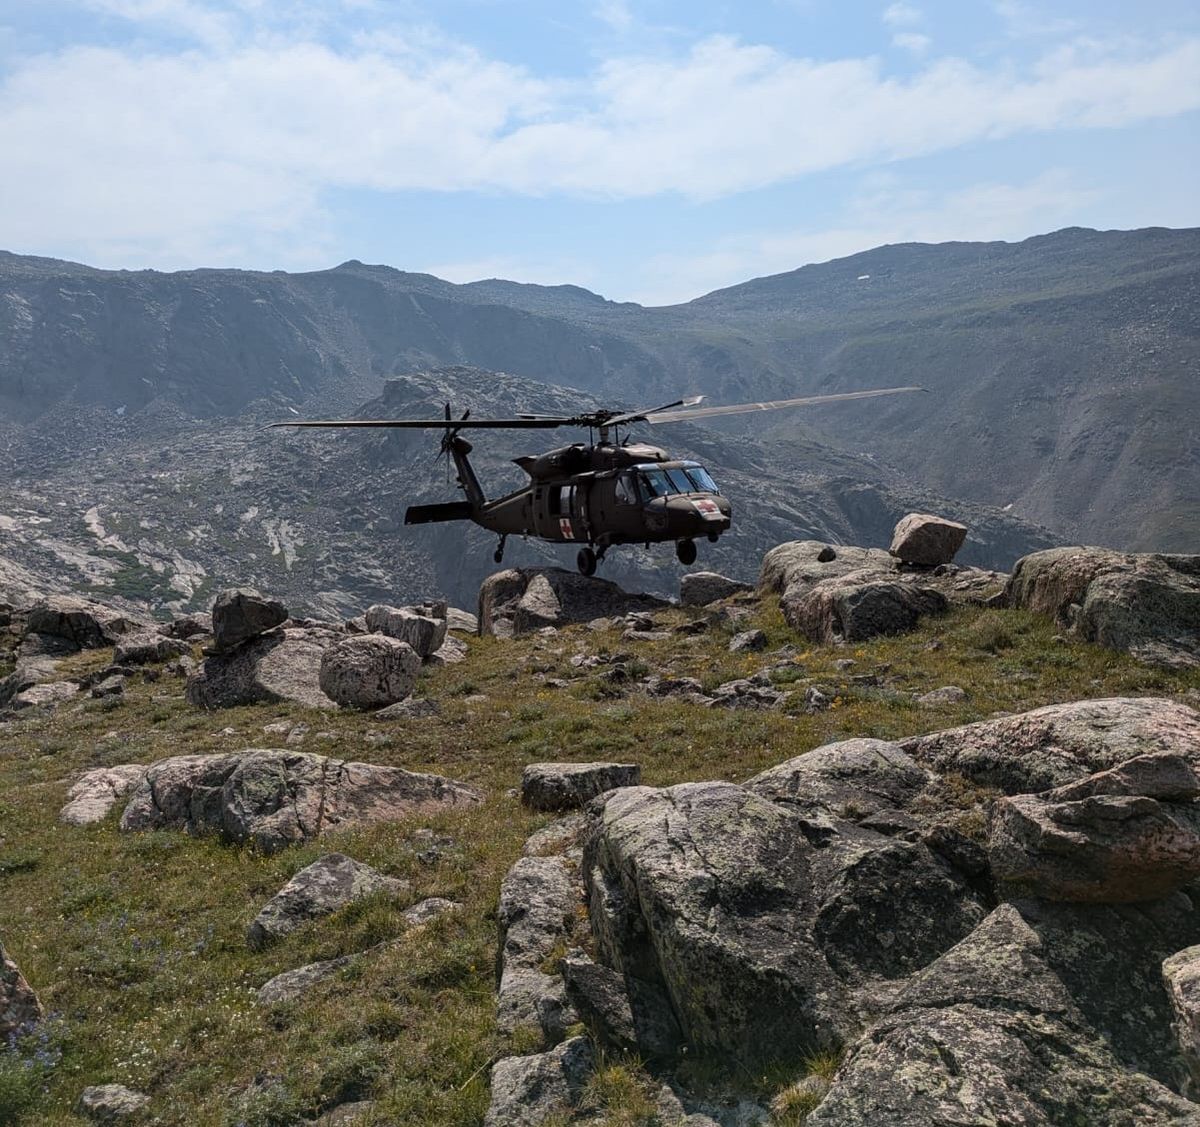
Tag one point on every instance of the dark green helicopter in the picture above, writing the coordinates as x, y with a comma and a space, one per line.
597, 494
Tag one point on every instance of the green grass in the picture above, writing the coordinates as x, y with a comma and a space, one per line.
137, 941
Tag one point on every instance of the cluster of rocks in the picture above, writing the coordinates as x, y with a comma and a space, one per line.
59, 626
260, 654
1030, 955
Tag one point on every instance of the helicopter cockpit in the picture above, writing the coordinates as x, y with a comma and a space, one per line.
649, 480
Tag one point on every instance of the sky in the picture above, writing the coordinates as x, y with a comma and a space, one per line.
650, 150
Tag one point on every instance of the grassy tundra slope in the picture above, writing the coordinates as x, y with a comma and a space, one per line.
136, 942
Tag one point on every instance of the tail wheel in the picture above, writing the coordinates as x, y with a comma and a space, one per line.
685, 551
586, 561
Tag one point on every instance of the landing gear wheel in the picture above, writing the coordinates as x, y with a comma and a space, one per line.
498, 554
586, 561
685, 551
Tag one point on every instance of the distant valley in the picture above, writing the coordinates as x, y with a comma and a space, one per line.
1063, 373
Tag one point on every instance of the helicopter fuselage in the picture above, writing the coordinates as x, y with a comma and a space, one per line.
597, 495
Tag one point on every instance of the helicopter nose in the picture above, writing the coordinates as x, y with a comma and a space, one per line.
697, 515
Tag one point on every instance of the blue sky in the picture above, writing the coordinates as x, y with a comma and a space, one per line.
651, 150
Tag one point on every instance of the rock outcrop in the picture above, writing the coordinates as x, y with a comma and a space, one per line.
20, 1009
563, 786
925, 540
369, 671
539, 902
97, 791
240, 613
1181, 976
425, 633
329, 883
109, 1103
1129, 834
280, 798
84, 624
700, 588
759, 920
1147, 605
1061, 743
283, 665
521, 600
528, 1091
1044, 1014
861, 605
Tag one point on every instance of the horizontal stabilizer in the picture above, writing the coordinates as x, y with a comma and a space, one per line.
432, 514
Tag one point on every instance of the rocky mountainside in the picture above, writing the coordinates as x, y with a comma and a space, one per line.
877, 840
163, 507
1063, 368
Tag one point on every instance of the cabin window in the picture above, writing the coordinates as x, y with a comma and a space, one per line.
626, 491
562, 500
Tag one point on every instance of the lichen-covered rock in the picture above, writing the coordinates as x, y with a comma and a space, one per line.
852, 779
926, 540
425, 633
758, 920
527, 1091
293, 984
801, 564
369, 671
860, 605
1145, 604
539, 903
241, 613
107, 1103
20, 1009
85, 625
329, 883
43, 694
278, 798
1181, 976
1124, 835
563, 786
462, 621
1061, 743
1044, 1014
748, 641
699, 588
96, 792
284, 665
145, 646
622, 1013
522, 600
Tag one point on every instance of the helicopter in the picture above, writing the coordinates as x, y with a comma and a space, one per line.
598, 494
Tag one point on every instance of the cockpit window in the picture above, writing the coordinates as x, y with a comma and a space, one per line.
655, 483
681, 481
701, 479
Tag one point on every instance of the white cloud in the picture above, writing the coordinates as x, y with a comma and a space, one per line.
226, 150
617, 14
898, 15
883, 211
912, 41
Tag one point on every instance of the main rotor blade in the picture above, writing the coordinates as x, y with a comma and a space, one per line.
637, 416
436, 424
772, 405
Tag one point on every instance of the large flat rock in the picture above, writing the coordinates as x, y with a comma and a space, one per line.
278, 798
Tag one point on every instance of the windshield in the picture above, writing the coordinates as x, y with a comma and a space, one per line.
689, 478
